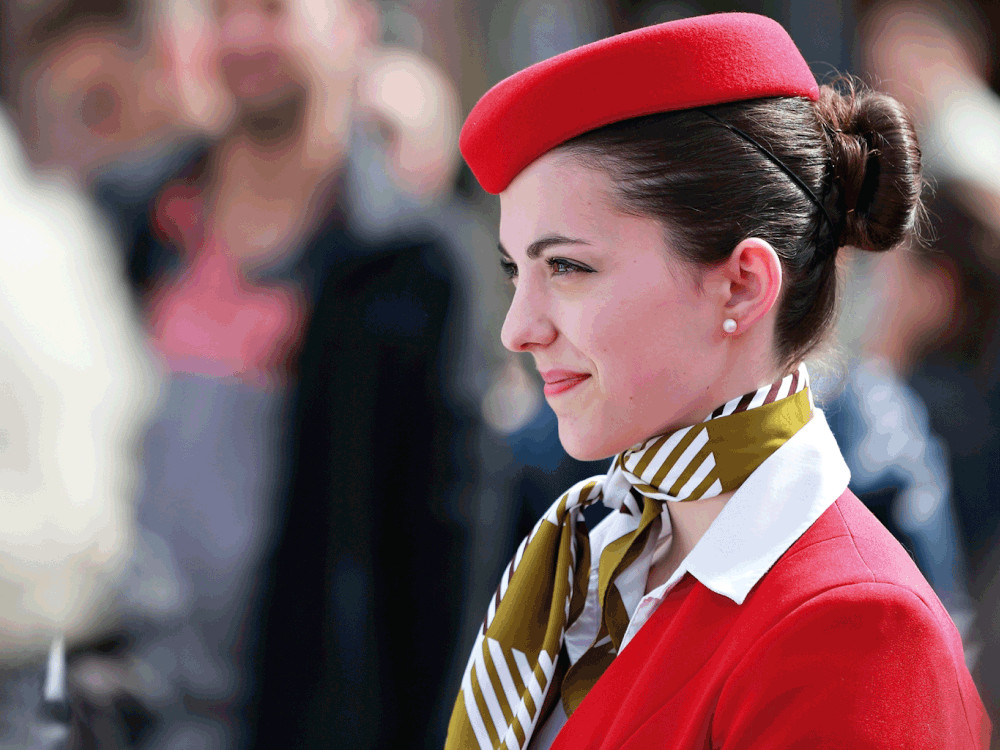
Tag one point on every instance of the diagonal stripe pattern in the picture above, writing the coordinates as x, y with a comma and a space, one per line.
513, 675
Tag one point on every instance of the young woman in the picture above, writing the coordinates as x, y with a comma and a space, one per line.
672, 202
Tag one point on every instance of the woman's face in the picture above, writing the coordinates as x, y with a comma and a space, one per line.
620, 328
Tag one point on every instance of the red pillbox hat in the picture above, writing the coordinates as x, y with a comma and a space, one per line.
694, 62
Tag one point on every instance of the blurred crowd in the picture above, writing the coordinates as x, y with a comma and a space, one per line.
261, 452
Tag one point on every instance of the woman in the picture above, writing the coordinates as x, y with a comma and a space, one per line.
672, 201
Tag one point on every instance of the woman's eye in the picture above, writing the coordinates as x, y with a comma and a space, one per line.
509, 269
562, 267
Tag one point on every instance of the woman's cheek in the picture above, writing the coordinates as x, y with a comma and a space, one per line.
606, 328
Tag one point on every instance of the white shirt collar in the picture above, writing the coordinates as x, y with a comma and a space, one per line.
764, 517
768, 513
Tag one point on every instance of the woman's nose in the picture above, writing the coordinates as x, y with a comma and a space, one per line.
528, 324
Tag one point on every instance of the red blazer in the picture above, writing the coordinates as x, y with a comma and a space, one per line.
841, 645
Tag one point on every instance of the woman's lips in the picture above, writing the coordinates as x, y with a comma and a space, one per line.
560, 381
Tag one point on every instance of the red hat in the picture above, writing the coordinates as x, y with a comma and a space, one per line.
694, 62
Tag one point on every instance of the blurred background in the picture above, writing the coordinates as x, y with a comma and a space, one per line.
264, 454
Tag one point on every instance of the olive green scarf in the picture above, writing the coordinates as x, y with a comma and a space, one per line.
512, 669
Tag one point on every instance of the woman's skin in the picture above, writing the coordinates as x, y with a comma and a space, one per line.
627, 336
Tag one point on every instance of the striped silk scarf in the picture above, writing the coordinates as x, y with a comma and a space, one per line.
512, 672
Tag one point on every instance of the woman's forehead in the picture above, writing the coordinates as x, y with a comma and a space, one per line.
557, 194
560, 176
572, 203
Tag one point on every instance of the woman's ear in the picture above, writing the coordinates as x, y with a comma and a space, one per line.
750, 282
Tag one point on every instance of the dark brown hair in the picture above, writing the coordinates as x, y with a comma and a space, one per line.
711, 187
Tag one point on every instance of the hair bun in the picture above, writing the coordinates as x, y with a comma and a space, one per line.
877, 181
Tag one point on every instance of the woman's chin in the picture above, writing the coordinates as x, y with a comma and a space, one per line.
585, 447
592, 437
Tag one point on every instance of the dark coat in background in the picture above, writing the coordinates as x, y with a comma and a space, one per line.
362, 611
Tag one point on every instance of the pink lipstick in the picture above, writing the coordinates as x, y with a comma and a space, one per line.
560, 381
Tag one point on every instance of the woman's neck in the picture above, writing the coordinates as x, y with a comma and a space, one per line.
690, 520
733, 379
688, 523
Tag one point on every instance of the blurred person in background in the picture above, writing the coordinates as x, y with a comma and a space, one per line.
935, 57
958, 378
77, 387
308, 481
111, 93
98, 91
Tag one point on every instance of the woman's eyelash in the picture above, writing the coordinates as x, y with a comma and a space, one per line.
559, 266
567, 266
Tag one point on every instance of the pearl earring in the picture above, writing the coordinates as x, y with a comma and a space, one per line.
729, 325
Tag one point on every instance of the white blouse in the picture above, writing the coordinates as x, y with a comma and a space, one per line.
787, 493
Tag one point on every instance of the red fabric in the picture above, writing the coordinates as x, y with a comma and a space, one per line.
178, 218
693, 62
211, 319
841, 645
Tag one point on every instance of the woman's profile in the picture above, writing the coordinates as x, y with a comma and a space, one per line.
672, 203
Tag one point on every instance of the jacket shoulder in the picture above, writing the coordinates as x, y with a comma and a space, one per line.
846, 545
848, 600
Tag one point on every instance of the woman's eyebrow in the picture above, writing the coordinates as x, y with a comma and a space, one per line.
535, 248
